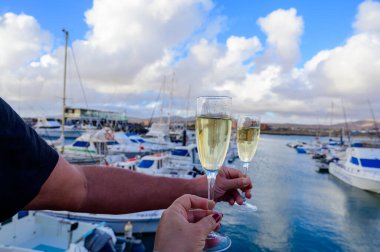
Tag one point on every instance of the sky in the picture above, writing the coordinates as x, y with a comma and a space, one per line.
287, 61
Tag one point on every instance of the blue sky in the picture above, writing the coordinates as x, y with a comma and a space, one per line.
327, 23
291, 58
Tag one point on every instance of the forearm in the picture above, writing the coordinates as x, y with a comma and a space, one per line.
115, 190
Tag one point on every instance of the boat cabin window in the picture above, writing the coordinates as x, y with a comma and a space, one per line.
355, 160
112, 143
159, 164
101, 148
180, 152
81, 144
370, 163
146, 164
141, 140
22, 214
134, 141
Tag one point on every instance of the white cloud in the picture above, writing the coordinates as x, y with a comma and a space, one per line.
131, 45
283, 29
21, 40
368, 18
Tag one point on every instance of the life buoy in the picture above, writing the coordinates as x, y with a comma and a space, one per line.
109, 135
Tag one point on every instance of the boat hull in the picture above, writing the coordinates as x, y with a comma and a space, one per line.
143, 222
363, 183
56, 133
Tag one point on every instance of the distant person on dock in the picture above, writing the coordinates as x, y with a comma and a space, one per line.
34, 177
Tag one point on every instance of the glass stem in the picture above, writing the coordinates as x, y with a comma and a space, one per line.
211, 176
245, 166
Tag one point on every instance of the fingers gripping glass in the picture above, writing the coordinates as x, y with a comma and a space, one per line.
213, 132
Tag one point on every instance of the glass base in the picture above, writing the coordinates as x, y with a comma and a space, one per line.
217, 242
250, 206
245, 204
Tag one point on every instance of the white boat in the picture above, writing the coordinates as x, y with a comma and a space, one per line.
182, 162
295, 144
360, 168
32, 231
51, 128
129, 144
143, 222
88, 148
158, 135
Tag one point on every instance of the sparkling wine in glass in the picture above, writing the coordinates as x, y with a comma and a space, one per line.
247, 138
213, 132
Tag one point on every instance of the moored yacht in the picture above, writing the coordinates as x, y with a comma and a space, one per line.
360, 168
30, 231
181, 162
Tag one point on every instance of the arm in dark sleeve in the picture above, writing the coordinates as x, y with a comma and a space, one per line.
26, 161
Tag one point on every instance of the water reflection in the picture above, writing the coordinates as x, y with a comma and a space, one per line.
300, 209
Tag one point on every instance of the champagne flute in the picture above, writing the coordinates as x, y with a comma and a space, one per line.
213, 132
248, 135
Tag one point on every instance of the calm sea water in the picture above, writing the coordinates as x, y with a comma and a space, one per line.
300, 209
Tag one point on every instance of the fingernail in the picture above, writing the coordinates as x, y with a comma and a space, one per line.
217, 217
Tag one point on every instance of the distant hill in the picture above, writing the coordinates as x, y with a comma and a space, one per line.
355, 125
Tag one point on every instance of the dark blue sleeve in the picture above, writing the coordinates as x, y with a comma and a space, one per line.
26, 162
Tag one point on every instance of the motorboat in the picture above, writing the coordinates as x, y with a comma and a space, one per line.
182, 162
143, 222
360, 168
88, 148
29, 231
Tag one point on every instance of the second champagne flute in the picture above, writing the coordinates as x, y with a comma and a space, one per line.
213, 132
248, 134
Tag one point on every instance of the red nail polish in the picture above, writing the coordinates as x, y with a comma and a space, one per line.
217, 217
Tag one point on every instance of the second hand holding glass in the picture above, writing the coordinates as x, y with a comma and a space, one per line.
248, 134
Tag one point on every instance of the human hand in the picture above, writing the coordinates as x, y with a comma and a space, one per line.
184, 226
227, 182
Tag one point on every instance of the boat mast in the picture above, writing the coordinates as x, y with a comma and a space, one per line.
374, 120
163, 99
64, 90
346, 124
187, 106
331, 119
170, 100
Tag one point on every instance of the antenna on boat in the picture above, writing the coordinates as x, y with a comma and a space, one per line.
374, 120
346, 124
64, 90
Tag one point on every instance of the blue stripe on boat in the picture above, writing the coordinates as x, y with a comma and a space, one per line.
366, 163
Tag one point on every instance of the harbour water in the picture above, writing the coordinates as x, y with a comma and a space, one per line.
300, 209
